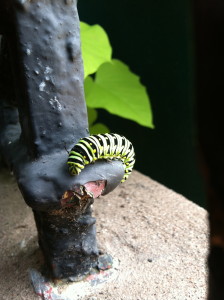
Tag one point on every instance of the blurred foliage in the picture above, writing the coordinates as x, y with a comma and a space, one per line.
109, 83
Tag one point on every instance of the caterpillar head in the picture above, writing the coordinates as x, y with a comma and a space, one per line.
75, 165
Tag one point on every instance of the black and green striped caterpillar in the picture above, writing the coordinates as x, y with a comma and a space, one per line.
110, 146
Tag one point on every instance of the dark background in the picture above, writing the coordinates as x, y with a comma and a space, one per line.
155, 39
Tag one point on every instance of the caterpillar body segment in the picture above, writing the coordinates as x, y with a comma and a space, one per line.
109, 146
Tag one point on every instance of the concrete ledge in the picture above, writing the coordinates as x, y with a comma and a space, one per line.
159, 237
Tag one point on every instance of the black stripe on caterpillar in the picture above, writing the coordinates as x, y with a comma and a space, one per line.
110, 146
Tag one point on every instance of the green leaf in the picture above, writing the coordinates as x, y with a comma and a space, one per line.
88, 84
99, 128
96, 48
119, 91
92, 115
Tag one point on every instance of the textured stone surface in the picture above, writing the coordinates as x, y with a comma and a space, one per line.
159, 237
